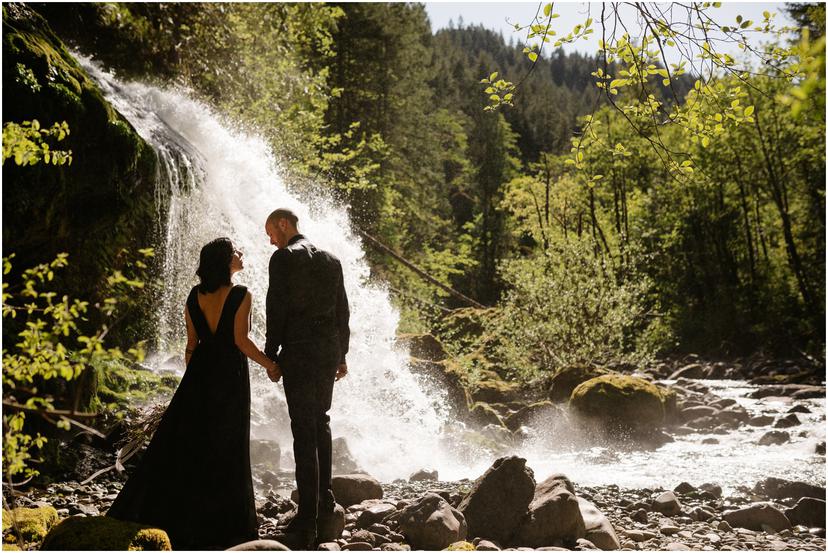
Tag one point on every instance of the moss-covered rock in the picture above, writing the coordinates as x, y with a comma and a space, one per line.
100, 204
423, 346
33, 523
120, 384
482, 413
495, 390
460, 546
568, 378
104, 534
620, 402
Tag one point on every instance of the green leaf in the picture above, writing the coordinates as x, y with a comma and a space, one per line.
705, 141
748, 111
493, 76
533, 56
547, 9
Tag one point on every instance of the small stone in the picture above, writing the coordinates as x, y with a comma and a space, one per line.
684, 487
329, 546
669, 529
486, 545
357, 546
724, 526
423, 475
787, 421
667, 504
676, 546
713, 538
640, 516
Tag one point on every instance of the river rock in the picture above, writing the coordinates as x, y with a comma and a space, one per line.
667, 504
374, 514
756, 516
342, 460
263, 545
350, 489
760, 420
693, 371
431, 523
697, 412
597, 527
554, 516
799, 409
620, 402
329, 546
541, 411
486, 545
423, 475
775, 437
797, 391
677, 546
808, 511
329, 526
779, 488
498, 499
568, 378
104, 534
265, 453
787, 421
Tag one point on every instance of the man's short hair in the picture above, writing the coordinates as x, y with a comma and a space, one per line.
283, 213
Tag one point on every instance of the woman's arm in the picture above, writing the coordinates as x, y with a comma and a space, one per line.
243, 342
192, 337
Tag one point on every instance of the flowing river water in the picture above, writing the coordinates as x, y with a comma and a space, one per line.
219, 181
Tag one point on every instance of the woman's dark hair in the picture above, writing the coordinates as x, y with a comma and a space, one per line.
214, 265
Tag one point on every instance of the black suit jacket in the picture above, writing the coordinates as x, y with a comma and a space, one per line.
306, 299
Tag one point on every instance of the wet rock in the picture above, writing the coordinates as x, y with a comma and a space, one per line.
820, 448
342, 460
684, 487
104, 533
787, 421
760, 420
554, 516
620, 402
486, 545
423, 346
545, 411
264, 545
265, 453
568, 378
799, 409
797, 391
757, 516
357, 546
808, 511
329, 546
597, 527
431, 523
374, 514
423, 475
711, 441
667, 504
329, 526
779, 488
694, 371
498, 499
713, 489
693, 413
775, 437
350, 489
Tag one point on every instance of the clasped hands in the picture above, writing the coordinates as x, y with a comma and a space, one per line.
274, 372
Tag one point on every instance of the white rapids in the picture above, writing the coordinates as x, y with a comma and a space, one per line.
222, 182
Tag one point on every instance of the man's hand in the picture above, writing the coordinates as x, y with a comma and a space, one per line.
341, 371
274, 373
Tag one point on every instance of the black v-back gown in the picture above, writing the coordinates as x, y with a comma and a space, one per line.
194, 479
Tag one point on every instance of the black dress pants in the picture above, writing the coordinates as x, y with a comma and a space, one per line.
309, 371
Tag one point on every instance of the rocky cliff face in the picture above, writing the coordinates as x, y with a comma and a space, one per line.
101, 203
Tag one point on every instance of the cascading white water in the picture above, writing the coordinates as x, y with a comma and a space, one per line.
222, 182
225, 183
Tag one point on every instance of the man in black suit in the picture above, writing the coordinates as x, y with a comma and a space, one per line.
307, 335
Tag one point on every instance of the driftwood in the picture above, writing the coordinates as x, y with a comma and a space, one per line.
382, 247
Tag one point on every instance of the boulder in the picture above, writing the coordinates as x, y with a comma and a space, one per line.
431, 523
779, 488
350, 489
568, 378
667, 504
423, 346
774, 437
423, 475
498, 500
33, 523
444, 375
342, 460
598, 528
808, 511
760, 420
756, 516
104, 534
693, 371
484, 415
374, 514
329, 526
260, 545
266, 453
697, 412
542, 410
787, 421
684, 488
554, 516
495, 390
620, 403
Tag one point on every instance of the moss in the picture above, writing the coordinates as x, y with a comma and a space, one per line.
105, 534
460, 546
34, 523
620, 402
120, 385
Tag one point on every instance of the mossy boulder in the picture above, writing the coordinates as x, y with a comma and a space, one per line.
105, 534
101, 203
482, 413
568, 378
423, 346
495, 390
460, 546
33, 523
620, 403
120, 383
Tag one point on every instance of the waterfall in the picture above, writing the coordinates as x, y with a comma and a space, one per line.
219, 181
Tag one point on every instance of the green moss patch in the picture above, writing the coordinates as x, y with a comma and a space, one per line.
33, 523
620, 402
105, 534
120, 385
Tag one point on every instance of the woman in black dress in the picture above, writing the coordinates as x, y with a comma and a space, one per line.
194, 479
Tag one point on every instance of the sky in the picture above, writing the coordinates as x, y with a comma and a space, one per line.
501, 16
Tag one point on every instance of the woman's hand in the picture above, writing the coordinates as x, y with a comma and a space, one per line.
273, 371
341, 371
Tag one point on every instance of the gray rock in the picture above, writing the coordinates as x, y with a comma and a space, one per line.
799, 409
819, 449
775, 437
350, 489
713, 489
262, 545
584, 544
787, 421
798, 391
357, 546
486, 545
640, 516
395, 547
779, 488
808, 511
757, 515
554, 516
423, 475
373, 514
431, 523
597, 527
684, 487
329, 546
692, 413
724, 526
498, 499
760, 420
677, 546
693, 370
667, 504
